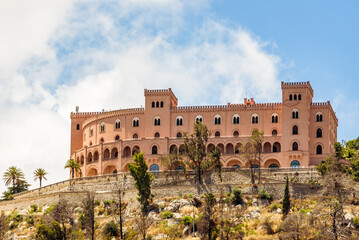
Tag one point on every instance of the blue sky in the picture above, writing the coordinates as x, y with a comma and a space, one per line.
98, 55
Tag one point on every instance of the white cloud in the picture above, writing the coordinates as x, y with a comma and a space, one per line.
82, 53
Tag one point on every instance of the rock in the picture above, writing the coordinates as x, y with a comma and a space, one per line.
177, 216
253, 214
171, 222
186, 230
263, 202
255, 202
348, 216
278, 210
79, 209
177, 204
154, 216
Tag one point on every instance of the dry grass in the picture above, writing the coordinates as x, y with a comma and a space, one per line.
188, 210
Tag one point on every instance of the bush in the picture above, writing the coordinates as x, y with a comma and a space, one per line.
106, 203
30, 220
34, 208
263, 194
186, 220
237, 196
189, 195
274, 206
166, 214
111, 230
53, 231
180, 193
97, 203
356, 222
50, 208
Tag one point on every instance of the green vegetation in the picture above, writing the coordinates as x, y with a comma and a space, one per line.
40, 174
356, 222
111, 230
187, 220
73, 166
263, 194
167, 214
286, 199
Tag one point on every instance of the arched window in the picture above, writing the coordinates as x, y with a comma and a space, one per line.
290, 97
255, 118
274, 118
267, 148
91, 131
154, 150
235, 133
126, 151
89, 157
217, 119
157, 121
135, 122
276, 147
153, 104
154, 168
135, 136
135, 150
295, 164
319, 133
319, 149
90, 143
319, 117
106, 154
199, 119
217, 134
157, 135
179, 135
295, 146
236, 167
117, 138
101, 140
179, 121
274, 132
295, 130
295, 97
117, 124
273, 165
299, 97
95, 156
236, 119
157, 104
102, 127
295, 114
114, 153
173, 149
77, 126
161, 104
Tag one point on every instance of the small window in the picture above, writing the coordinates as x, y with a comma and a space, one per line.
157, 104
199, 119
217, 134
135, 136
299, 97
154, 149
295, 97
117, 124
274, 132
217, 119
179, 135
161, 104
102, 127
295, 146
255, 118
157, 135
290, 97
295, 130
319, 133
295, 114
77, 126
275, 118
319, 149
117, 138
101, 140
135, 122
236, 119
153, 104
90, 143
157, 121
319, 117
235, 133
91, 131
179, 121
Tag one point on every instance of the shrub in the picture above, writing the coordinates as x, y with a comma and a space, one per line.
111, 230
356, 222
53, 231
97, 203
106, 203
82, 220
50, 208
305, 211
237, 196
186, 220
30, 220
34, 208
263, 194
274, 206
189, 195
166, 214
101, 211
180, 193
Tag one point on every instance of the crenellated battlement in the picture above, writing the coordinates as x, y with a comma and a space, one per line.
231, 107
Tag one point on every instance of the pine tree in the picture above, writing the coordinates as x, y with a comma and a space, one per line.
286, 199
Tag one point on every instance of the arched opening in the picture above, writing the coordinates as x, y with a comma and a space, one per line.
101, 140
95, 156
217, 119
77, 126
295, 146
217, 134
274, 132
179, 121
89, 157
154, 168
234, 162
221, 147
210, 147
295, 130
199, 119
273, 166
114, 153
127, 152
299, 97
229, 148
157, 121
135, 150
236, 134
271, 163
319, 133
295, 114
276, 147
90, 143
135, 136
173, 149
153, 104
117, 138
117, 124
82, 160
236, 119
319, 117
110, 169
295, 164
238, 148
319, 150
275, 118
106, 154
290, 97
255, 118
179, 135
267, 147
102, 127
157, 104
154, 150
295, 97
135, 122
157, 135
161, 104
92, 172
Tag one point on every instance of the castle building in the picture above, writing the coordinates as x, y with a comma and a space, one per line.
297, 132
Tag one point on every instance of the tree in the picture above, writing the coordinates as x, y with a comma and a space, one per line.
142, 223
62, 213
118, 208
14, 176
257, 138
73, 166
195, 149
215, 155
286, 199
143, 180
207, 224
295, 227
40, 174
249, 154
88, 220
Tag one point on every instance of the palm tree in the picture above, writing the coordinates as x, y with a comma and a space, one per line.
73, 165
14, 176
40, 174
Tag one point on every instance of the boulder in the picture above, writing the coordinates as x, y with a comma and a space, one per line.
349, 216
253, 214
177, 204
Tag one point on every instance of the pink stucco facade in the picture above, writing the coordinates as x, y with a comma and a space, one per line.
297, 132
